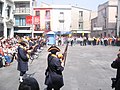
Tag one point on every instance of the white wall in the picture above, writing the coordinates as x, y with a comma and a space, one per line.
86, 18
55, 14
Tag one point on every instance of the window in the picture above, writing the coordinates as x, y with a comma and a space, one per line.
80, 16
61, 17
17, 21
47, 25
37, 27
80, 13
80, 25
20, 21
47, 15
37, 13
8, 11
61, 26
0, 9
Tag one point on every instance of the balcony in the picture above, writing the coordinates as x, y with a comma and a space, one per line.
22, 11
80, 19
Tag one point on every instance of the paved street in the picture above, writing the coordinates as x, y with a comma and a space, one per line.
87, 68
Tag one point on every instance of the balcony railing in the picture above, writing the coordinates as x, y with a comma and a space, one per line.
80, 19
22, 10
61, 20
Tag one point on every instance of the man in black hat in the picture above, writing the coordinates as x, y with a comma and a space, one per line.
22, 59
116, 65
54, 77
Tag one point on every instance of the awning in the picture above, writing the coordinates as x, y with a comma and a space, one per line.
38, 31
23, 31
83, 31
50, 32
63, 32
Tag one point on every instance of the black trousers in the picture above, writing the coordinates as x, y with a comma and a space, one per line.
50, 88
22, 73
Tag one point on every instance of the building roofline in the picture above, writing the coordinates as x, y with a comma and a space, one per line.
103, 3
81, 8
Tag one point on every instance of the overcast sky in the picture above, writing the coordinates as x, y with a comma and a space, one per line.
88, 4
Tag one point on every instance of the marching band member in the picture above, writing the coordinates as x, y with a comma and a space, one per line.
54, 77
22, 59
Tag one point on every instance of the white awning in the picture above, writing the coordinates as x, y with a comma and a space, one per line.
51, 32
38, 32
23, 31
83, 31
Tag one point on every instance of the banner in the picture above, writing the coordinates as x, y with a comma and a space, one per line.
28, 19
36, 20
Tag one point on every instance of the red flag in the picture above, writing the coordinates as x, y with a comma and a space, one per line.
36, 20
28, 19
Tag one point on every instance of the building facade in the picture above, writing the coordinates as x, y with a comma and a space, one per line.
80, 21
6, 18
23, 8
56, 18
106, 20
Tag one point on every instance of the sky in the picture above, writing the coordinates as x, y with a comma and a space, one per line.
87, 4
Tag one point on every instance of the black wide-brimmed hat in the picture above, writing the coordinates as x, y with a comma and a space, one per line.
53, 48
22, 42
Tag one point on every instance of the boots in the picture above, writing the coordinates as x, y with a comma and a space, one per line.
21, 79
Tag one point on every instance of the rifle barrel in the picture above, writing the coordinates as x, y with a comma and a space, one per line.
65, 53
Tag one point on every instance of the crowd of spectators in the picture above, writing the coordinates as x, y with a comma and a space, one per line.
83, 41
8, 48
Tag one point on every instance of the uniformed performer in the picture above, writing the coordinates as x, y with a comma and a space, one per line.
22, 59
54, 77
116, 65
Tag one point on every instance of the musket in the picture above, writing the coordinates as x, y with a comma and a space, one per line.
65, 53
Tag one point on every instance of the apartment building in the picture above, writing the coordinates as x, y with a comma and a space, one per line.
80, 21
106, 23
56, 18
65, 19
23, 8
6, 18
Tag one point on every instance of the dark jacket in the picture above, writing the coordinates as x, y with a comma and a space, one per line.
22, 59
54, 77
116, 65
